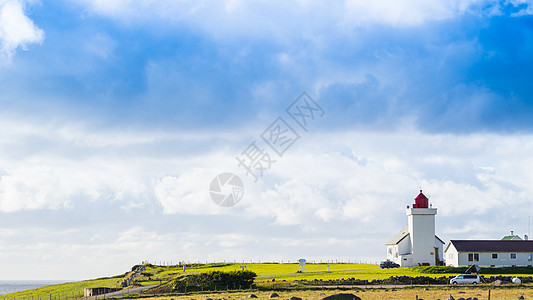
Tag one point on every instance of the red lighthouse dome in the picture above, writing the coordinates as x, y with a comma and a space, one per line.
421, 201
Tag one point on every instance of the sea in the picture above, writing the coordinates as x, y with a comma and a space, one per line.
12, 286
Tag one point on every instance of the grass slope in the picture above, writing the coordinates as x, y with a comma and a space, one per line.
267, 272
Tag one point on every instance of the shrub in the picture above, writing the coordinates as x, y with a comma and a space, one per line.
214, 280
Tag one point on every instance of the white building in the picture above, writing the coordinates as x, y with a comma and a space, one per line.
497, 253
417, 244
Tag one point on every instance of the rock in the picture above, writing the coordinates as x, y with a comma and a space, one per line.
208, 299
274, 295
521, 297
461, 299
295, 298
342, 296
461, 292
252, 296
469, 298
426, 289
451, 297
500, 282
475, 298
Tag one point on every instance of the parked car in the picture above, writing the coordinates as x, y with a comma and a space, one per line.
388, 264
466, 279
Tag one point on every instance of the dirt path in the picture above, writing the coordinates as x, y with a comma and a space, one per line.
118, 294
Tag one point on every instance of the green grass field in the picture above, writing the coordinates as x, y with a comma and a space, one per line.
267, 274
70, 290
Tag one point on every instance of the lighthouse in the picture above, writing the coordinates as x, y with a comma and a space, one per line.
417, 244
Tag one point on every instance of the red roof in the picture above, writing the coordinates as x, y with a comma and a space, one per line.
421, 201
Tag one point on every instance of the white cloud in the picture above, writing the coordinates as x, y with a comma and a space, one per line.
323, 179
186, 194
279, 19
16, 29
406, 12
327, 182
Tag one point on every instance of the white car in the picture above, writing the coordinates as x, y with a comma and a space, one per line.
466, 279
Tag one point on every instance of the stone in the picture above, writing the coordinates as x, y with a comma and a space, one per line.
426, 289
252, 296
342, 296
274, 295
461, 298
521, 297
295, 298
500, 282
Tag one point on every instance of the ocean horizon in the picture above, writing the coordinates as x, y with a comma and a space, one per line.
13, 286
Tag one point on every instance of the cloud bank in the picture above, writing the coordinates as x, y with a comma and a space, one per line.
16, 29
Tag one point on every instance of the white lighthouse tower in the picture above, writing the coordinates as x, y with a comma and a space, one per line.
417, 244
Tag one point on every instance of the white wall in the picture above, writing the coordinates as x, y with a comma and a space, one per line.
456, 259
421, 224
452, 257
503, 260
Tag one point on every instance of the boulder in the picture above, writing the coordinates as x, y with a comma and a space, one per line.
274, 295
252, 296
295, 298
500, 282
342, 296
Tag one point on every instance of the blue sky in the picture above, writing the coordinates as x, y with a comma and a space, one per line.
116, 115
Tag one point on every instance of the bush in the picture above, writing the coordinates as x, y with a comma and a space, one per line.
214, 280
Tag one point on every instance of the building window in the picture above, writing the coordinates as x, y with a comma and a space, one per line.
513, 255
473, 256
530, 257
494, 255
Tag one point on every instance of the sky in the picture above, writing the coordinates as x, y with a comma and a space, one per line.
115, 117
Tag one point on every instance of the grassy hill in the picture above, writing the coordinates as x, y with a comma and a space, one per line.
267, 274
